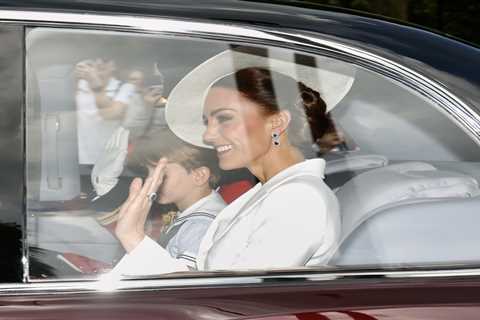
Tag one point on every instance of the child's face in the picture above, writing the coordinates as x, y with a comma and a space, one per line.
176, 186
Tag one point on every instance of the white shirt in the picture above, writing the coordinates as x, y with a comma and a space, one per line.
137, 116
93, 131
290, 221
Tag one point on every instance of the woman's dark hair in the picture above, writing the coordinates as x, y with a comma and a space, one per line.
304, 103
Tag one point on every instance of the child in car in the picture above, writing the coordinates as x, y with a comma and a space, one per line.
190, 177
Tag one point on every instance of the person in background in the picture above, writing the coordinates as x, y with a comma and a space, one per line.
154, 96
128, 104
132, 105
93, 128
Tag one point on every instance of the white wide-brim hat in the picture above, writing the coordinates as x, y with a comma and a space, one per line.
184, 109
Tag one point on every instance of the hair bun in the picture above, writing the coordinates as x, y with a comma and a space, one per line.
311, 100
321, 124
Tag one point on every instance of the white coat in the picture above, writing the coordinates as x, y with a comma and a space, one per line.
290, 221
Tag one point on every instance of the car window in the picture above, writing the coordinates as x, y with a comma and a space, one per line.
385, 170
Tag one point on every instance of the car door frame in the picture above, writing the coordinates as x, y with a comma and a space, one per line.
339, 289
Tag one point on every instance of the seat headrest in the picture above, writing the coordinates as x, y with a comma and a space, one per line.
371, 190
353, 161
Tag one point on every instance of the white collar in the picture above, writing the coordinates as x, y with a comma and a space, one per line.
314, 167
213, 196
311, 167
241, 206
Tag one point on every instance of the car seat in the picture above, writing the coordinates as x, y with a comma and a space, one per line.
342, 166
408, 213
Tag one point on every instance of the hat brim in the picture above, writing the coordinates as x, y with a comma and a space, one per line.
184, 109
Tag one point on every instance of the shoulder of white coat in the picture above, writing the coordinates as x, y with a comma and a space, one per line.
309, 184
308, 194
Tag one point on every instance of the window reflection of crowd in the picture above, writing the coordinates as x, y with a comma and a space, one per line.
246, 122
120, 108
128, 101
115, 114
112, 112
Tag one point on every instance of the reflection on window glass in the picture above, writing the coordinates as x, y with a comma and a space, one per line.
152, 155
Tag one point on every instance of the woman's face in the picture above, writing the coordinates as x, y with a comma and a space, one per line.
236, 128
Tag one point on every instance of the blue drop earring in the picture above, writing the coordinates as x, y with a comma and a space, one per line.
275, 139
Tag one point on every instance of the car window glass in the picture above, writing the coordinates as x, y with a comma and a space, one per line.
385, 168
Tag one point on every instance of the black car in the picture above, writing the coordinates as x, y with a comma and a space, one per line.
402, 158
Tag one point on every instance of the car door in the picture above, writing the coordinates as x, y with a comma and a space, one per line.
408, 152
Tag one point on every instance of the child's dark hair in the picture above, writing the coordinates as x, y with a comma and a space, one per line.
162, 142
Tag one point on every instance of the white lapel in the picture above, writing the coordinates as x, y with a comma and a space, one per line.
313, 167
243, 205
226, 216
245, 208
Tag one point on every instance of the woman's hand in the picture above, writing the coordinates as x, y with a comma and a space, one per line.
130, 228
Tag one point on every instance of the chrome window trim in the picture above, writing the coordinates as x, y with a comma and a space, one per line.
107, 286
448, 103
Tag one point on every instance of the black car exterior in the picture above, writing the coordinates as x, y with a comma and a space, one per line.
446, 70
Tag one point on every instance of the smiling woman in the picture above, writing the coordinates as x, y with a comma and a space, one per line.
298, 116
315, 151
248, 125
349, 147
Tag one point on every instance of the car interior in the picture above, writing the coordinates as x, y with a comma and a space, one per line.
406, 176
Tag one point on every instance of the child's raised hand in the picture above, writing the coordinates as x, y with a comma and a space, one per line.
130, 228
